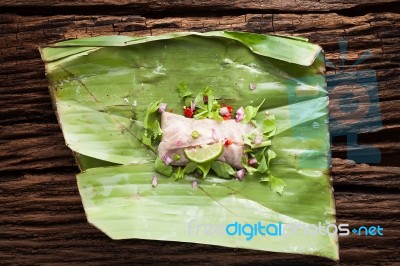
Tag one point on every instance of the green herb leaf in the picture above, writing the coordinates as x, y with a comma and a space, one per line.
156, 129
151, 125
262, 163
179, 174
248, 139
250, 112
265, 143
269, 124
189, 168
205, 168
209, 110
222, 169
146, 139
215, 115
271, 155
162, 168
149, 119
183, 90
276, 184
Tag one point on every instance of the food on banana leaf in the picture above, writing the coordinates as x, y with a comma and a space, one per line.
207, 137
177, 135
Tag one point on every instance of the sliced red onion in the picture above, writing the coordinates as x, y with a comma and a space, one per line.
239, 114
223, 111
162, 108
154, 181
252, 161
167, 160
258, 139
253, 86
240, 174
194, 184
192, 105
215, 135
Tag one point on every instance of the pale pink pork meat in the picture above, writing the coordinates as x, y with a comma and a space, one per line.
177, 135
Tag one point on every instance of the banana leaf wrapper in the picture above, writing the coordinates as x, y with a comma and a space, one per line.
101, 88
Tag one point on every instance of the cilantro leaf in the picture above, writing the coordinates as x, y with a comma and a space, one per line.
156, 129
205, 168
250, 112
162, 168
276, 184
265, 143
146, 139
149, 118
179, 174
189, 168
209, 109
222, 169
271, 155
151, 125
262, 163
248, 139
269, 124
183, 90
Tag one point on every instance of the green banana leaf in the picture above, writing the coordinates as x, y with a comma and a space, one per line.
101, 88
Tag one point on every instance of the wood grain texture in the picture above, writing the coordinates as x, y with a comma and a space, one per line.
41, 216
153, 6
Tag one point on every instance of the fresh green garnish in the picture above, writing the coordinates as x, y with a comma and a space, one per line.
204, 167
249, 169
162, 168
183, 90
203, 158
276, 184
222, 169
189, 168
250, 112
151, 125
260, 150
208, 109
268, 125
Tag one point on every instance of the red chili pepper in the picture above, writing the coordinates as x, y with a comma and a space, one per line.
230, 109
188, 112
227, 117
227, 142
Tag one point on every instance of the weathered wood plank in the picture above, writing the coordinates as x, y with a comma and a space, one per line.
201, 5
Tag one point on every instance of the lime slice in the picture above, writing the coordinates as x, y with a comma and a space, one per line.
204, 153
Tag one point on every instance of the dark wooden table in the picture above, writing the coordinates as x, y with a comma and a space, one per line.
42, 220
